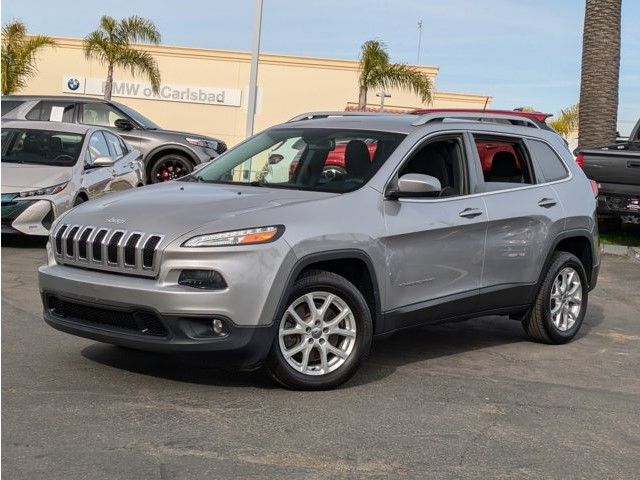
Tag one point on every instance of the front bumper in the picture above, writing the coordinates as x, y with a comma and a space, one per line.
145, 329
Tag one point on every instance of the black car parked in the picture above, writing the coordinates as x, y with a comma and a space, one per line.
167, 154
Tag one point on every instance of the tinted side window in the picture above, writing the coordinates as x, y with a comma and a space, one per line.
51, 111
547, 161
100, 114
503, 161
442, 159
97, 148
114, 145
8, 105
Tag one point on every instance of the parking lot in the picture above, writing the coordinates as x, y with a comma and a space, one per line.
467, 400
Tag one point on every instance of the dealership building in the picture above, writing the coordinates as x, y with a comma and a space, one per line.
205, 91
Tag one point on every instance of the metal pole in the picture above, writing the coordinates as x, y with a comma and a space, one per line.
419, 40
253, 78
382, 96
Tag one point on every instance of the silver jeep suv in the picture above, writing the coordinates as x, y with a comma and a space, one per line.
439, 217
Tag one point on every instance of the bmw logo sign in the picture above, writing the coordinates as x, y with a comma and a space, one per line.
73, 84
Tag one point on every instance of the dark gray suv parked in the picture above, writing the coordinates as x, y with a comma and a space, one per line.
265, 259
167, 154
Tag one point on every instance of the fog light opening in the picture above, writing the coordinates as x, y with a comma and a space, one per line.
202, 279
217, 326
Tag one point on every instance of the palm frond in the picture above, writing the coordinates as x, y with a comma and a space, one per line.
97, 45
377, 72
138, 29
19, 55
139, 63
567, 121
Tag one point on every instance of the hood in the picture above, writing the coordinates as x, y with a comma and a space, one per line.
162, 131
22, 177
176, 208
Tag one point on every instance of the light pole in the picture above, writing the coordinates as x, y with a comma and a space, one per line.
253, 77
382, 96
419, 40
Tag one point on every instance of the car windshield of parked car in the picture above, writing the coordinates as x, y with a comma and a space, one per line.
42, 147
137, 117
320, 159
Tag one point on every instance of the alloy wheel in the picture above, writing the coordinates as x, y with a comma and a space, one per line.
566, 299
317, 333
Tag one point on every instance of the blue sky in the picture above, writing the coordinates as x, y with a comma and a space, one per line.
522, 52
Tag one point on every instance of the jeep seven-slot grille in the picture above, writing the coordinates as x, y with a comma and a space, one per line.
133, 253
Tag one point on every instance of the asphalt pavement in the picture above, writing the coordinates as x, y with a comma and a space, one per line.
473, 399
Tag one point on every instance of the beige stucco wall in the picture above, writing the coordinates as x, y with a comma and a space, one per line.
287, 84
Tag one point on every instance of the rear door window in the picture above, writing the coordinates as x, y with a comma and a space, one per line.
504, 162
547, 162
55, 111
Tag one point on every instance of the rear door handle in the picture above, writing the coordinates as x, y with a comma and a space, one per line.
547, 202
632, 164
471, 212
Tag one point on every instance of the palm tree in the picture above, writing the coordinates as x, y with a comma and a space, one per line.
111, 45
600, 73
567, 122
377, 72
19, 55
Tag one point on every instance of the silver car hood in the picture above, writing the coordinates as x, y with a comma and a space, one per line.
175, 208
21, 177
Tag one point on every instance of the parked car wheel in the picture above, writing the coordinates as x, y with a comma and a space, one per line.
323, 335
78, 201
170, 167
561, 302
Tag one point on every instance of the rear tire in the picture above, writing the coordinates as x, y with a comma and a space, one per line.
327, 353
78, 201
561, 301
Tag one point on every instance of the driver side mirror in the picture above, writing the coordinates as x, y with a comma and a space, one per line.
416, 185
105, 161
123, 124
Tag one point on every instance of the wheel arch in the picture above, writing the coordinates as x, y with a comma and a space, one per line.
163, 150
354, 265
577, 242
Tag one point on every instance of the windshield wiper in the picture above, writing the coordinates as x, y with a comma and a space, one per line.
258, 183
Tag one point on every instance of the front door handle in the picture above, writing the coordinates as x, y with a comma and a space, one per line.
632, 164
471, 212
547, 202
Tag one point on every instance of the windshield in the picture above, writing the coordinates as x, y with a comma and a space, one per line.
137, 117
43, 147
318, 159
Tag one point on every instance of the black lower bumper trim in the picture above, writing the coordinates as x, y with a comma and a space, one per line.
241, 347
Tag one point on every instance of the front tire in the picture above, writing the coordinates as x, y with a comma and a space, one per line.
561, 302
170, 167
324, 333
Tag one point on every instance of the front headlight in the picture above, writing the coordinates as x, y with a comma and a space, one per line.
250, 236
44, 191
201, 142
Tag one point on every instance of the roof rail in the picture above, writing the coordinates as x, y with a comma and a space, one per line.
327, 114
472, 116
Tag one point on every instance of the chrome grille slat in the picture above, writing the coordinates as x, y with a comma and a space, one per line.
102, 248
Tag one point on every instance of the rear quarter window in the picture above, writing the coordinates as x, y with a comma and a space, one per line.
550, 167
8, 105
51, 111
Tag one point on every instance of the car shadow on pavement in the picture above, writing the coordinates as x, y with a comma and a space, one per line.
401, 349
23, 241
193, 368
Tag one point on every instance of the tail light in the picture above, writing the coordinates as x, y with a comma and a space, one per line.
580, 160
595, 188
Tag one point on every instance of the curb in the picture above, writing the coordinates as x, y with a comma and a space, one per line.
631, 252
